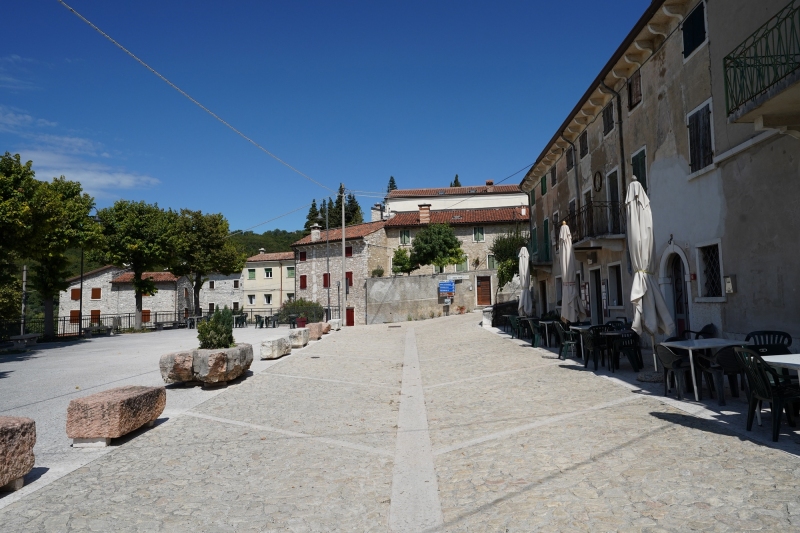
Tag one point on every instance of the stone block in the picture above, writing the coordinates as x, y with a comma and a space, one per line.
315, 331
17, 438
487, 317
299, 337
274, 348
326, 328
208, 366
336, 324
176, 367
113, 413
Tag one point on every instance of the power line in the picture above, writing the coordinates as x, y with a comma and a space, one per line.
195, 102
268, 221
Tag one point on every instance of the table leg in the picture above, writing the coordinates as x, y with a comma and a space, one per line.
547, 336
694, 380
583, 354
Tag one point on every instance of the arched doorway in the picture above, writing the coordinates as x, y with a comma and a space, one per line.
680, 299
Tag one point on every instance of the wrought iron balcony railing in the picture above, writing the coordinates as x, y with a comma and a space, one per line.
597, 219
770, 55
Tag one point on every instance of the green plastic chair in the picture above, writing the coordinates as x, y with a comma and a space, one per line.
569, 339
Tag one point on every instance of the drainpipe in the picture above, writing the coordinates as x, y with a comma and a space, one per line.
622, 163
280, 269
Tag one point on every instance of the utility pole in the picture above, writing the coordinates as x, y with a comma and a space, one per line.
344, 272
328, 258
24, 298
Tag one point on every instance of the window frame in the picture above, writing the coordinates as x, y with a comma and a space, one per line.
583, 144
544, 185
620, 289
491, 262
146, 316
348, 251
290, 272
267, 272
637, 74
712, 165
74, 316
474, 234
687, 58
701, 278
268, 298
234, 306
463, 266
570, 157
610, 110
236, 284
251, 299
212, 284
405, 237
251, 274
553, 176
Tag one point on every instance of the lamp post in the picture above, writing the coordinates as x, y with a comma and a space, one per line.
328, 259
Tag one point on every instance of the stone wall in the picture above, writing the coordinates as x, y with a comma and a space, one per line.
223, 294
102, 280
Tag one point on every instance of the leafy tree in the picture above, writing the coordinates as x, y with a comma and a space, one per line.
311, 217
401, 262
139, 236
506, 253
392, 185
455, 182
10, 300
323, 211
202, 247
17, 185
61, 211
352, 211
436, 244
276, 240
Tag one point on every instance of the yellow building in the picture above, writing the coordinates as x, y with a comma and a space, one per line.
268, 280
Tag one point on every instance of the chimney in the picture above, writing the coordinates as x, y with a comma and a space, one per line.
376, 212
315, 236
261, 250
424, 213
489, 185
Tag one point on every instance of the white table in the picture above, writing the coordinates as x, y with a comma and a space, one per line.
546, 331
790, 361
701, 344
580, 330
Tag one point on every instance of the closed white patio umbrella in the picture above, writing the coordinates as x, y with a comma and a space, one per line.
525, 302
571, 303
650, 311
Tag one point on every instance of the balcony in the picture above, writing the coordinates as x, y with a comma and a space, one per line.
762, 74
599, 225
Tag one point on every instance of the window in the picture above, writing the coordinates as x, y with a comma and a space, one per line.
302, 281
211, 284
491, 263
96, 293
535, 241
405, 236
211, 308
302, 256
267, 299
571, 210
251, 299
701, 152
236, 284
694, 30
544, 185
477, 234
570, 158
290, 296
185, 312
348, 251
326, 280
438, 269
584, 144
74, 316
463, 267
349, 276
146, 315
615, 286
639, 164
75, 294
712, 277
185, 292
635, 89
608, 119
268, 273
289, 272
251, 273
235, 306
555, 222
559, 290
553, 179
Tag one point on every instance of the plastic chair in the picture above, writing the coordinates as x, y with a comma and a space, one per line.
617, 324
595, 344
532, 326
723, 363
761, 338
765, 384
674, 364
628, 345
568, 339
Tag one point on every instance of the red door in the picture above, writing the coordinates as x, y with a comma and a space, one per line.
350, 316
484, 290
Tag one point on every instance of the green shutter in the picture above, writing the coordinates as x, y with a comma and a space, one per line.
546, 239
491, 263
251, 273
639, 164
535, 241
544, 185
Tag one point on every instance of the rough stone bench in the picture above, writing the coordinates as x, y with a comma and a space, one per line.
92, 421
17, 438
88, 332
299, 337
336, 324
29, 339
315, 330
207, 366
275, 348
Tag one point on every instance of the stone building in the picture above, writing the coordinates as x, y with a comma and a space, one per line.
220, 291
658, 110
268, 280
446, 198
319, 267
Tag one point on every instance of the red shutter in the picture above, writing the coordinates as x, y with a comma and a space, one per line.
74, 316
146, 316
75, 294
326, 280
96, 293
302, 256
349, 276
303, 282
348, 251
95, 315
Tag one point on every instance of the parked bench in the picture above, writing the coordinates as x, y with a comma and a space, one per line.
171, 325
28, 339
92, 330
17, 438
92, 421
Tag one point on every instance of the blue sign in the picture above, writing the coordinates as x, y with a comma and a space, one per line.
447, 286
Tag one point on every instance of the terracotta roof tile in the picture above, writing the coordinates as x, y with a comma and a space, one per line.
275, 256
463, 216
455, 191
357, 231
157, 277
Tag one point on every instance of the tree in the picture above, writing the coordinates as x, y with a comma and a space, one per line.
17, 185
323, 211
437, 245
401, 262
455, 182
505, 249
139, 236
203, 247
61, 211
392, 185
352, 211
311, 217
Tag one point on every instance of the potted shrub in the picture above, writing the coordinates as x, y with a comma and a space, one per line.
302, 321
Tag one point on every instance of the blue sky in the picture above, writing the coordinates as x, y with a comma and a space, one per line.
347, 92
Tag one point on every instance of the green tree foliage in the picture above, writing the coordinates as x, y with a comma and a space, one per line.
17, 185
217, 332
352, 211
203, 247
10, 300
506, 253
313, 311
392, 185
436, 244
276, 240
401, 262
323, 211
139, 236
311, 217
455, 182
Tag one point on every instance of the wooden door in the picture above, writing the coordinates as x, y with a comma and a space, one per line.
351, 317
484, 290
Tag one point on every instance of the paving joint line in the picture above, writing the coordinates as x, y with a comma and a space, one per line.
392, 387
475, 378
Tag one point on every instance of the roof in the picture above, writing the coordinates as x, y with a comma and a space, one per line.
356, 231
90, 273
455, 217
275, 256
157, 277
455, 191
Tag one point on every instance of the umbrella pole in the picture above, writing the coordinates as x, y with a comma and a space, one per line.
655, 361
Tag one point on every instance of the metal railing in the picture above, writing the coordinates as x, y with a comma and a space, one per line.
596, 219
764, 59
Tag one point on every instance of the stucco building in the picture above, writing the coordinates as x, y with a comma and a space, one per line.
268, 280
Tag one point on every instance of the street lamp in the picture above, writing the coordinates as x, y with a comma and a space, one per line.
327, 259
96, 220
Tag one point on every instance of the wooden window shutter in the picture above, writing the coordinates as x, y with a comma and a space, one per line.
303, 282
570, 158
348, 251
302, 256
553, 178
326, 280
700, 151
75, 294
584, 144
96, 293
95, 314
146, 315
349, 276
74, 316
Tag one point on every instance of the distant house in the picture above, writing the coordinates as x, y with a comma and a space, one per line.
220, 291
268, 280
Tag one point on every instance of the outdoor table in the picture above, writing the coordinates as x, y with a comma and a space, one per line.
507, 322
546, 331
580, 330
789, 361
701, 344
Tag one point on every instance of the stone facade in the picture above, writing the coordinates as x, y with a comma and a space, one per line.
226, 291
445, 198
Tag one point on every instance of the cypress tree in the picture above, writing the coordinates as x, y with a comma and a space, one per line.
392, 185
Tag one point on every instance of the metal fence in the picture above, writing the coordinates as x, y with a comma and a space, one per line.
770, 55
